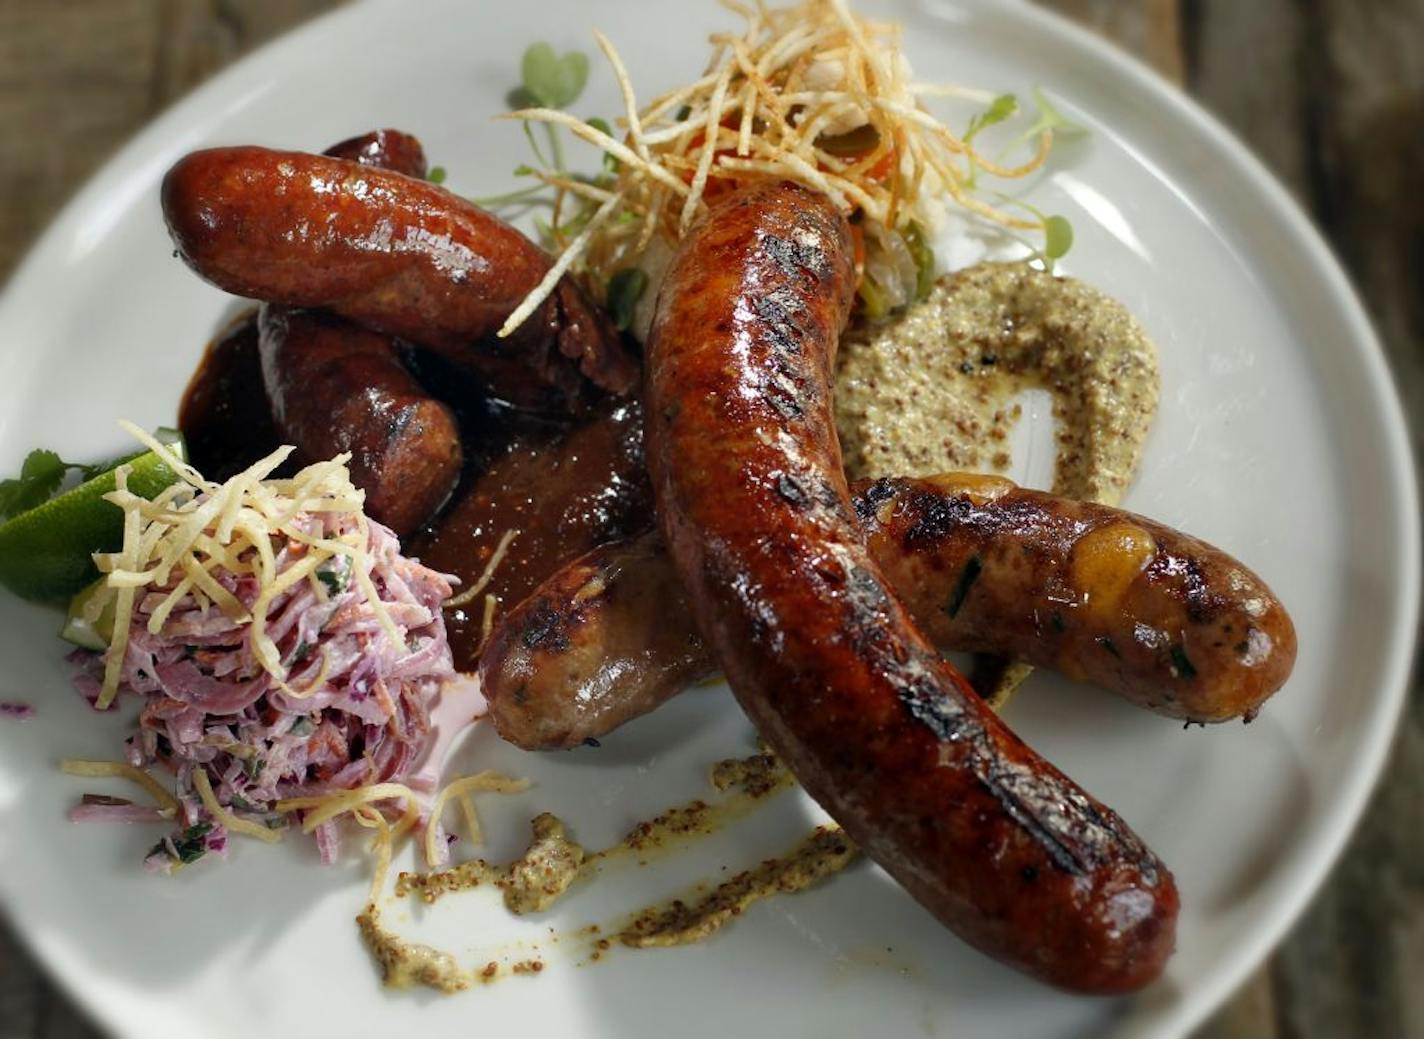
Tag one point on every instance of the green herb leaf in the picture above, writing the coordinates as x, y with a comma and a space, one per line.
1049, 119
334, 578
552, 80
40, 476
1005, 106
967, 577
875, 302
610, 162
923, 255
1057, 237
625, 288
1181, 664
191, 844
436, 175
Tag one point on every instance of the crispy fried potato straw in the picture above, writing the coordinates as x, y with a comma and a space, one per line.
763, 108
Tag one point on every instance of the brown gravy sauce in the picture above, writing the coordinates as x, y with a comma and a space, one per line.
564, 490
224, 415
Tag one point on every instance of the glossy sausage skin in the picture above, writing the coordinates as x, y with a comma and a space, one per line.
604, 640
753, 503
397, 254
334, 387
981, 565
384, 149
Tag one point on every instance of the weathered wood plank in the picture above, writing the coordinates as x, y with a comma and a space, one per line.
1331, 94
1149, 29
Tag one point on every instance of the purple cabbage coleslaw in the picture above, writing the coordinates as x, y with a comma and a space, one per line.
354, 708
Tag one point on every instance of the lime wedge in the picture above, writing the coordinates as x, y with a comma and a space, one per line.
45, 553
90, 621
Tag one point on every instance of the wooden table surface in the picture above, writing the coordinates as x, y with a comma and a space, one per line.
1330, 93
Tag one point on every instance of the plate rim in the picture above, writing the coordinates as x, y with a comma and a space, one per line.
1342, 822
1338, 825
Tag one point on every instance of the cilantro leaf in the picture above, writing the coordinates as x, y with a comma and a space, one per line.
191, 845
40, 476
553, 80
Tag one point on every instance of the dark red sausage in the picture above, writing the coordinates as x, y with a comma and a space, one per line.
891, 741
397, 254
384, 149
335, 387
1164, 620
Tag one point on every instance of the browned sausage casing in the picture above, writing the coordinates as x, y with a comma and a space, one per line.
891, 741
384, 149
1164, 620
397, 254
334, 387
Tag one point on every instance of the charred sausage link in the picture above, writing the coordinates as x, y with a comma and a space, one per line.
891, 741
1164, 620
604, 640
334, 387
396, 254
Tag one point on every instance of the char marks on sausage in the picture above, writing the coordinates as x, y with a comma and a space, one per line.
982, 566
889, 739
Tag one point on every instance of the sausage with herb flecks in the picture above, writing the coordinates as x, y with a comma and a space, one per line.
753, 503
399, 255
1164, 620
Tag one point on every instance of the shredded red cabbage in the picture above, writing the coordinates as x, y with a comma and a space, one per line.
361, 708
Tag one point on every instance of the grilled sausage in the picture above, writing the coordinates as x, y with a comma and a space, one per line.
892, 742
384, 149
605, 639
335, 386
397, 254
1164, 620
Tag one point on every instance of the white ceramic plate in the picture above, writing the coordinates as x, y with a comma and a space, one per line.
1280, 439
